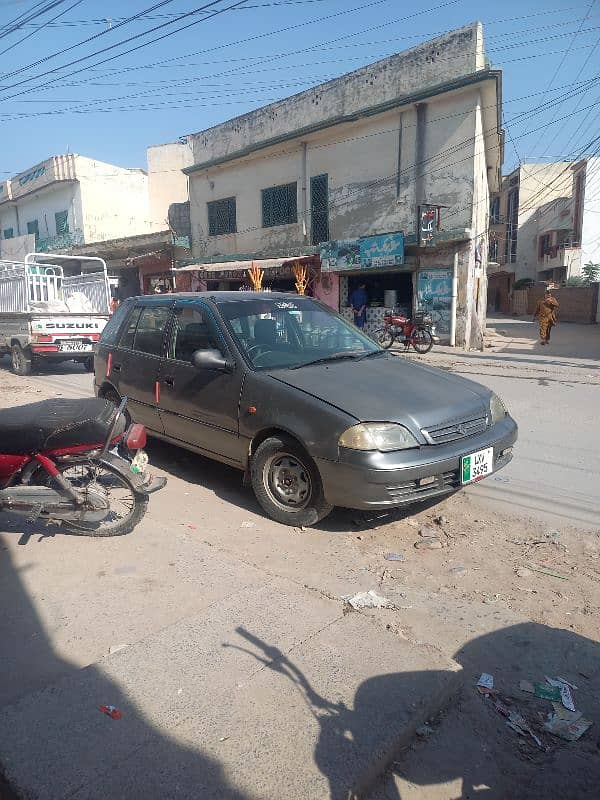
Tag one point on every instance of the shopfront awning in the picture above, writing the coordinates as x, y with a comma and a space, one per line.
235, 266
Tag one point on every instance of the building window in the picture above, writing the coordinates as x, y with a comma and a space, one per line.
279, 205
8, 233
319, 207
512, 226
564, 238
33, 227
544, 245
495, 211
222, 217
493, 251
61, 219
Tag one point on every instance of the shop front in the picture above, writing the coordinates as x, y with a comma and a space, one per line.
278, 275
372, 269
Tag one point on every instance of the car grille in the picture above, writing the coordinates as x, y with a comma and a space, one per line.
450, 432
423, 488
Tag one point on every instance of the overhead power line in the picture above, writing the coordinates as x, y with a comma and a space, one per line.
38, 28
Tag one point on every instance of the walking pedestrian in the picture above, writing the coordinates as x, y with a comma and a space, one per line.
545, 312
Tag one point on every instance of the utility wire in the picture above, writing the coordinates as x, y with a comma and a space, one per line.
38, 28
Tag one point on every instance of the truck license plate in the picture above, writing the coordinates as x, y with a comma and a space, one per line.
477, 465
73, 345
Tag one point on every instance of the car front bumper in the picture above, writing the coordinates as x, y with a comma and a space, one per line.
382, 480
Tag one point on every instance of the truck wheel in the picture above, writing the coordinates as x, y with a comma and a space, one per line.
287, 483
89, 364
20, 360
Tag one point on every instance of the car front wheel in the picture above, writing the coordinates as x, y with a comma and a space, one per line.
287, 483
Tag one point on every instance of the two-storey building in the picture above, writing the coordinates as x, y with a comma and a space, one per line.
384, 173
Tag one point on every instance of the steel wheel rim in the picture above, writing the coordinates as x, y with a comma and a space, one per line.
120, 496
288, 481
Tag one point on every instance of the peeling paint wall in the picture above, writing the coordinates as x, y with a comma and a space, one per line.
438, 61
372, 186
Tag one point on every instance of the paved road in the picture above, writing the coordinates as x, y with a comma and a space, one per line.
553, 393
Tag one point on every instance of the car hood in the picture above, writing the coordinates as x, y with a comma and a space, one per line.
390, 388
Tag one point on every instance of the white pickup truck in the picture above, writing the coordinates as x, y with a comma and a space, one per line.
46, 315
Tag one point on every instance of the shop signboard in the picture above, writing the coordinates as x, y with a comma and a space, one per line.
340, 255
427, 223
434, 294
368, 252
385, 250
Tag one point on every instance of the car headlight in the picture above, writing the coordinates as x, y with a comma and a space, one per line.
383, 436
497, 409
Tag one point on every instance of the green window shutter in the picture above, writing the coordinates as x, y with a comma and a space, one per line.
61, 218
8, 233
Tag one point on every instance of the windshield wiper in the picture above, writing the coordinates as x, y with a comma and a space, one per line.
325, 359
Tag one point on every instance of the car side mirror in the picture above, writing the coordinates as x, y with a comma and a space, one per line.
211, 359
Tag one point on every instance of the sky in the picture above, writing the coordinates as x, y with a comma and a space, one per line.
237, 55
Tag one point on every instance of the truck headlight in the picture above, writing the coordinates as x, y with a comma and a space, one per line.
497, 409
382, 436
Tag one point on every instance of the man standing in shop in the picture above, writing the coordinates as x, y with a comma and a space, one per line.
358, 301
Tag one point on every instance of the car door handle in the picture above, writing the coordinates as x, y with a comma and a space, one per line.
169, 381
116, 367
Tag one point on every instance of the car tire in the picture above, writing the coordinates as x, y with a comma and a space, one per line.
20, 360
287, 483
89, 364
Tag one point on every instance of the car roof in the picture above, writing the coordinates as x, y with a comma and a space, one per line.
216, 296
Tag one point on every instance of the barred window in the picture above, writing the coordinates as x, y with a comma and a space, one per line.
319, 201
222, 217
279, 205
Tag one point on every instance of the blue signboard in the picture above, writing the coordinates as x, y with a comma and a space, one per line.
368, 252
385, 250
340, 255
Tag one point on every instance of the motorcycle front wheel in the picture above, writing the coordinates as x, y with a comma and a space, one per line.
384, 337
422, 341
126, 507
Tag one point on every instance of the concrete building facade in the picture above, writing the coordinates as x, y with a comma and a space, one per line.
71, 200
544, 225
413, 137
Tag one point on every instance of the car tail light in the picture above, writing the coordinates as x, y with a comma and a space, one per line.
135, 438
41, 337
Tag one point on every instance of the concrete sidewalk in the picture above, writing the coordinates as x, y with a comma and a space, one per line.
269, 691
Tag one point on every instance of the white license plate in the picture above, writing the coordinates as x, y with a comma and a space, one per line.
72, 346
477, 465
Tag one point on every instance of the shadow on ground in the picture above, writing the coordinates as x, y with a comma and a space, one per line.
144, 761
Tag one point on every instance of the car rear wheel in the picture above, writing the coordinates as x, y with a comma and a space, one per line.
287, 483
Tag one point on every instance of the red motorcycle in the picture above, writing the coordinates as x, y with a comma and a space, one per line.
409, 332
75, 462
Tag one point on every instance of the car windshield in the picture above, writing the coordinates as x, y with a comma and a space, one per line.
279, 332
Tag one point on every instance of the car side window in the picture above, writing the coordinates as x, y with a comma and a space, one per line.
129, 329
150, 330
112, 327
193, 329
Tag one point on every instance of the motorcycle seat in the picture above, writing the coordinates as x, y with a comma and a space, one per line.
55, 424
